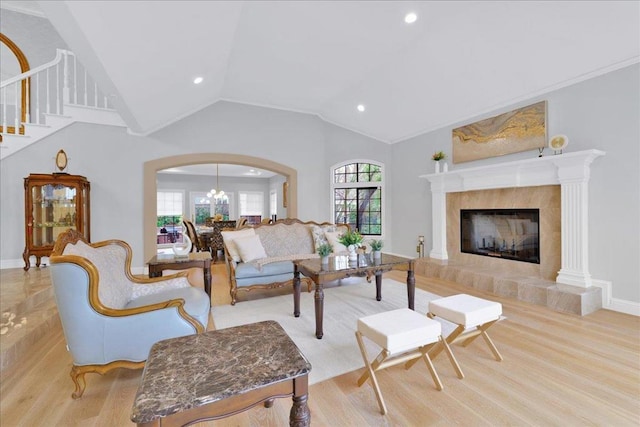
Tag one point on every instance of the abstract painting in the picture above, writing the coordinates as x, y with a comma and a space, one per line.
518, 130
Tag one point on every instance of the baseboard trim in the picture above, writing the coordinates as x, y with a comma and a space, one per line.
615, 304
624, 306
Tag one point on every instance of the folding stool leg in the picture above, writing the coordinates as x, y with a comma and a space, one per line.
371, 371
452, 358
432, 370
482, 330
374, 366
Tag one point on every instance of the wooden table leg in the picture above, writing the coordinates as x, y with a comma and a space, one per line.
296, 291
207, 278
300, 415
411, 288
154, 271
319, 302
379, 287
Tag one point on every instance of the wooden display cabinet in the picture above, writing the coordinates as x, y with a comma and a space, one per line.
53, 203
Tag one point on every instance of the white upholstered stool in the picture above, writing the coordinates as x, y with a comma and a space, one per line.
473, 316
403, 335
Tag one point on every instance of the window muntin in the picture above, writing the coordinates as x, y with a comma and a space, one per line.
355, 201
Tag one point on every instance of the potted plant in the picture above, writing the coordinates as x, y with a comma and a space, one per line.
352, 240
376, 247
324, 250
437, 156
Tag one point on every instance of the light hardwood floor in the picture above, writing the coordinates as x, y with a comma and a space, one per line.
558, 369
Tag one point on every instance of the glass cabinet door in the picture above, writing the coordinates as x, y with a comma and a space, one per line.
53, 212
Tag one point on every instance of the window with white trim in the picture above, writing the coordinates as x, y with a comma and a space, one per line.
357, 189
169, 206
251, 204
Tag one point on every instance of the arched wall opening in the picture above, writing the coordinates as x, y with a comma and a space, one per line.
150, 188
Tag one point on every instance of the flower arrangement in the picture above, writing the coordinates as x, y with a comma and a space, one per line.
218, 217
351, 238
439, 155
376, 245
324, 250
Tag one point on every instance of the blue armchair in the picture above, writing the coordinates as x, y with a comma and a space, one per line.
110, 317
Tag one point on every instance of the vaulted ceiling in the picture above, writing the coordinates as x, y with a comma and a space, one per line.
458, 60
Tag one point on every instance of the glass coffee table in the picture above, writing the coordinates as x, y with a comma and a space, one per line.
339, 267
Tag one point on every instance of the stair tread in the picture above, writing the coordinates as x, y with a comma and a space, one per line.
16, 340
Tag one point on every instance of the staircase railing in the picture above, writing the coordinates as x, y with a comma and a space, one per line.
28, 97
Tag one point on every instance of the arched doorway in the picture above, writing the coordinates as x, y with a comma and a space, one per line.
150, 188
21, 66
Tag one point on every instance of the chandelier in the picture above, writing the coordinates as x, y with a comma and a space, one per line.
217, 195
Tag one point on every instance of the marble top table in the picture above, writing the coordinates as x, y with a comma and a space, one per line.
221, 373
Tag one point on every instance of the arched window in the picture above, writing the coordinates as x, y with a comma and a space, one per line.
358, 189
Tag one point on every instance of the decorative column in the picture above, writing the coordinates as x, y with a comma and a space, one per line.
574, 190
439, 219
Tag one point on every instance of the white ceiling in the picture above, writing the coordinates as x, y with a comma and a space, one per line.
458, 60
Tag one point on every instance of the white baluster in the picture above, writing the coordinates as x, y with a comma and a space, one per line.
38, 98
95, 94
65, 82
75, 80
27, 86
47, 94
18, 109
85, 87
57, 93
4, 110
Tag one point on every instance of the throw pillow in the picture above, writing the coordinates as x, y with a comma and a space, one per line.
332, 238
250, 248
230, 236
317, 231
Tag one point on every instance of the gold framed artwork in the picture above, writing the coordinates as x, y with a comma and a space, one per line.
518, 130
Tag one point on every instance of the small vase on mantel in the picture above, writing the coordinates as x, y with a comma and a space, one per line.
445, 167
437, 166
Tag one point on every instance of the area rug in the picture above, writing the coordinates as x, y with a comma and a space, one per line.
337, 352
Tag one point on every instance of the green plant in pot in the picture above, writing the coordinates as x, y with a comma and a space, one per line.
324, 250
376, 245
352, 240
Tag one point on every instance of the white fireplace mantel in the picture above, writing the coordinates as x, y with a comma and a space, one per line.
570, 171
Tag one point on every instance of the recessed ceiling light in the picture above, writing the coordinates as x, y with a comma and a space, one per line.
410, 18
360, 108
197, 80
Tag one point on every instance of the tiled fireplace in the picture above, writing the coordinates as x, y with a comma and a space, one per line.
558, 187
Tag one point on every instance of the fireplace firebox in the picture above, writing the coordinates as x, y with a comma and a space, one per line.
501, 233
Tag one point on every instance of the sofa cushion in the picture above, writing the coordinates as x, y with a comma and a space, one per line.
286, 239
250, 248
246, 270
196, 302
317, 232
228, 238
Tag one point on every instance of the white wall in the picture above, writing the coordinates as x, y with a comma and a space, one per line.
601, 113
113, 161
